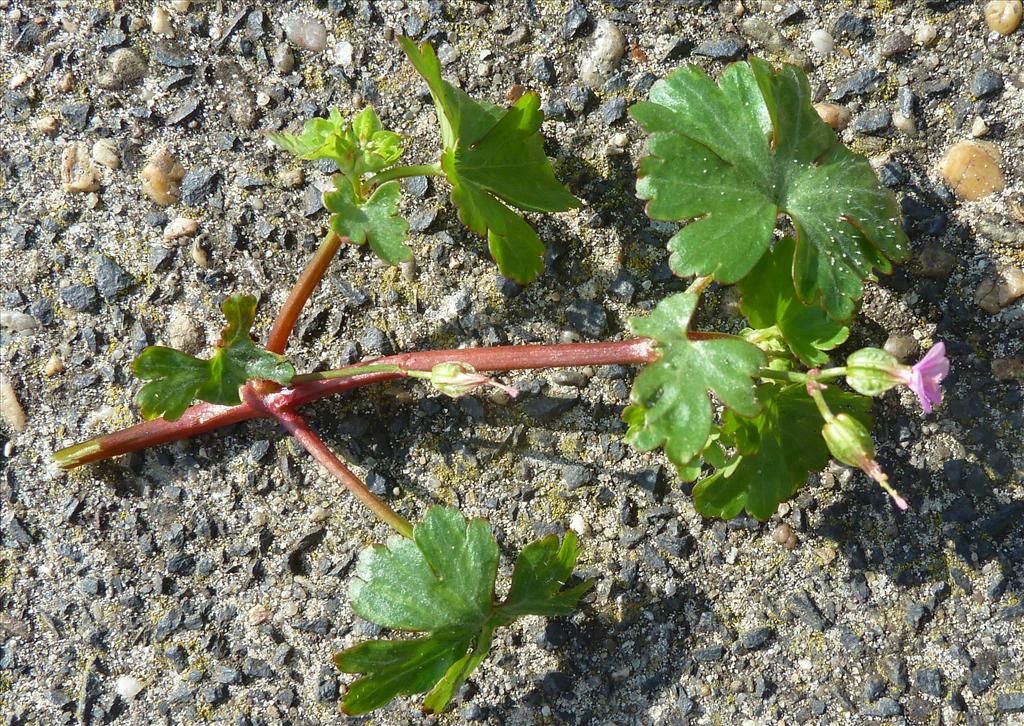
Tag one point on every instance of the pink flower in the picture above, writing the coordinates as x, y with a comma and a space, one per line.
924, 377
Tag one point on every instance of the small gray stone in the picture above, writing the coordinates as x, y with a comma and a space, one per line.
547, 408
16, 106
575, 18
981, 679
575, 476
613, 110
111, 280
858, 83
872, 121
726, 48
79, 297
226, 674
873, 689
904, 347
588, 318
1010, 702
76, 114
936, 263
929, 681
284, 59
885, 708
898, 42
986, 82
197, 186
756, 638
804, 608
170, 54
125, 67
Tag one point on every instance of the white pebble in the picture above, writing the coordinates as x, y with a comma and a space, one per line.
128, 687
10, 409
17, 322
822, 41
925, 35
104, 152
160, 22
906, 124
609, 47
343, 53
181, 227
579, 525
979, 128
306, 32
18, 79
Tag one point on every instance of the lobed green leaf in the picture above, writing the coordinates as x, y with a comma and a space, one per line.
494, 160
176, 379
442, 582
773, 452
669, 401
733, 156
768, 299
375, 221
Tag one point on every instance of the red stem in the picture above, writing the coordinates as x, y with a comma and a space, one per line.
204, 417
277, 341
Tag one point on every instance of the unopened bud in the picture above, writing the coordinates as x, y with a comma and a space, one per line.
850, 443
872, 371
456, 379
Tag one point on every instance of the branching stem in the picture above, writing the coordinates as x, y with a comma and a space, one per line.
297, 426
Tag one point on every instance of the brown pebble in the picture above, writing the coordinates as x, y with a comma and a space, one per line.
782, 533
53, 366
77, 172
836, 116
972, 170
1003, 16
10, 409
161, 178
1008, 369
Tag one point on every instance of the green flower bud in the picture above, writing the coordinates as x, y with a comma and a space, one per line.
872, 371
848, 440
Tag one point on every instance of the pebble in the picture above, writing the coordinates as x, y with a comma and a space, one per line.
46, 125
128, 687
10, 409
608, 47
925, 35
104, 152
1008, 369
872, 121
111, 280
726, 48
904, 123
125, 67
972, 170
77, 173
161, 177
904, 347
18, 80
54, 366
181, 227
197, 185
822, 41
343, 52
986, 82
836, 116
897, 43
979, 127
1003, 16
160, 22
579, 525
306, 32
17, 322
1010, 702
284, 59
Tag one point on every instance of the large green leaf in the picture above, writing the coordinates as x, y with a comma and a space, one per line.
734, 155
376, 220
770, 300
176, 379
441, 582
773, 452
494, 159
669, 402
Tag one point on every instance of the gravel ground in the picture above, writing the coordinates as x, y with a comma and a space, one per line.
210, 576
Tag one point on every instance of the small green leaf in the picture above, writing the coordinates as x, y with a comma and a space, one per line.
442, 582
734, 155
494, 159
175, 379
359, 146
376, 220
770, 300
775, 451
541, 571
670, 406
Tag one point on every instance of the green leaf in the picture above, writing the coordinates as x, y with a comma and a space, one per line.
359, 146
442, 582
775, 451
669, 401
770, 300
494, 159
376, 220
734, 155
176, 379
541, 570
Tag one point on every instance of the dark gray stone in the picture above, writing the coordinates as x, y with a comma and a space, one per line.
587, 318
709, 654
613, 110
929, 681
226, 674
805, 609
727, 48
111, 280
1010, 702
197, 186
575, 18
79, 297
986, 82
885, 708
76, 114
575, 476
859, 83
170, 54
757, 638
873, 689
16, 107
547, 408
872, 121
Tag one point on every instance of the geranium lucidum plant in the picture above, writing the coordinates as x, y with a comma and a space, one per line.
730, 159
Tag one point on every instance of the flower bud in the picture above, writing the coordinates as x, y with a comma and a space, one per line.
456, 379
872, 371
848, 440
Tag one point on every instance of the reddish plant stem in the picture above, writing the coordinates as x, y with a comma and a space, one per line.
298, 427
277, 341
205, 417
